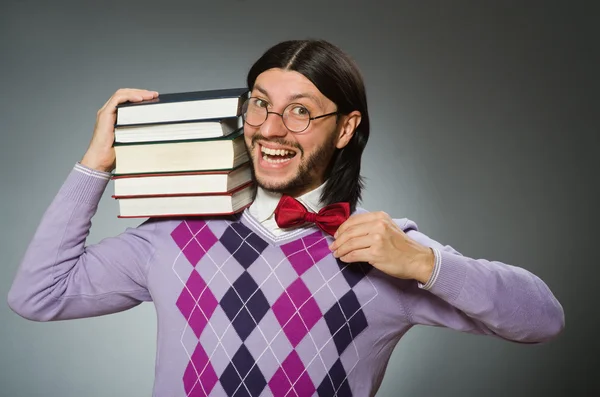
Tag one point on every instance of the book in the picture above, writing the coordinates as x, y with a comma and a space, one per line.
188, 205
177, 131
181, 183
183, 106
181, 156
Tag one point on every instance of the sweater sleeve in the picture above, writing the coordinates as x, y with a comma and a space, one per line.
61, 278
482, 297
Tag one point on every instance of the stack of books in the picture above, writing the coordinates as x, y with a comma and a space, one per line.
182, 154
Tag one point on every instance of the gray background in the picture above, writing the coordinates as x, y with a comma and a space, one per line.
484, 131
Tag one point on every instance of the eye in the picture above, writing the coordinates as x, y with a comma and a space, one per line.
259, 103
298, 110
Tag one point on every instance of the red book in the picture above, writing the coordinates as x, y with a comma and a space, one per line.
198, 204
182, 183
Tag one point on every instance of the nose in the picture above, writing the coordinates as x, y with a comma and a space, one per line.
273, 126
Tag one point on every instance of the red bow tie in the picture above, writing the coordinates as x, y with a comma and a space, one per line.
290, 212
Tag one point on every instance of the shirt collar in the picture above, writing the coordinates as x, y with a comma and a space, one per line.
265, 202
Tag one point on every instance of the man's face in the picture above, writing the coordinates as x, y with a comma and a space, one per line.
283, 161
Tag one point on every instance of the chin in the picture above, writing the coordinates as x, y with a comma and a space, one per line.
273, 184
295, 185
275, 177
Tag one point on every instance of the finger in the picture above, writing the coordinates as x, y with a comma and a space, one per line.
128, 94
375, 226
351, 232
131, 96
354, 244
361, 255
361, 218
108, 112
110, 100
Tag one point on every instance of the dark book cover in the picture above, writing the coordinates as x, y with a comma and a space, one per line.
189, 96
190, 121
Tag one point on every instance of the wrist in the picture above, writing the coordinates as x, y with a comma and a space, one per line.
424, 265
94, 163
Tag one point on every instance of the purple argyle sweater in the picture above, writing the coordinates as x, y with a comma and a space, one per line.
242, 312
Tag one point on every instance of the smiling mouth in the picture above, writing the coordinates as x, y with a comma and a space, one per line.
276, 156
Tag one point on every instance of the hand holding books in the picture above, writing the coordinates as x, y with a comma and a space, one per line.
101, 154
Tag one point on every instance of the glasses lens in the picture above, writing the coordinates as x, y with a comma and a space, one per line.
254, 111
296, 117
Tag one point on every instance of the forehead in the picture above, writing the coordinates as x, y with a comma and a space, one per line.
286, 85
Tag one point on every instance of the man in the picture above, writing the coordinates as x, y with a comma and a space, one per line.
291, 297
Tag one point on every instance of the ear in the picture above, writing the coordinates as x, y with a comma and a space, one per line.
349, 124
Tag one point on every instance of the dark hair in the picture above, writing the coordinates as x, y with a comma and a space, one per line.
336, 75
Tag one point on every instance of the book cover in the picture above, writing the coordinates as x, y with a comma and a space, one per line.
177, 173
189, 96
188, 205
178, 130
229, 137
180, 156
213, 194
180, 183
183, 106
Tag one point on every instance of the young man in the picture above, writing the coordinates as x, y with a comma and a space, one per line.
292, 297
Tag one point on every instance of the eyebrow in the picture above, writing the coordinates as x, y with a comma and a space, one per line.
295, 96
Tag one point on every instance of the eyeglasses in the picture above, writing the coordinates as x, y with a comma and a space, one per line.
295, 116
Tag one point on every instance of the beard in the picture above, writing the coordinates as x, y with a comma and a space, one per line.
315, 166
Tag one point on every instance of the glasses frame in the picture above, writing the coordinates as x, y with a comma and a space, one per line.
245, 106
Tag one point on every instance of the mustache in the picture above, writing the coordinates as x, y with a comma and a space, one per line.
256, 138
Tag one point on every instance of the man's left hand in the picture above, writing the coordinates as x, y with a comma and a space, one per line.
375, 238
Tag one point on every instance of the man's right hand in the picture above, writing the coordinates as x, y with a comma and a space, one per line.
101, 154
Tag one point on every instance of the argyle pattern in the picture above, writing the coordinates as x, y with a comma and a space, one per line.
266, 320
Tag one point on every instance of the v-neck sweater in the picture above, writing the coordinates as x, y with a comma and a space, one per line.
244, 312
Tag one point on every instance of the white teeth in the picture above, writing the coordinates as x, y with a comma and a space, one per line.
276, 152
274, 161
